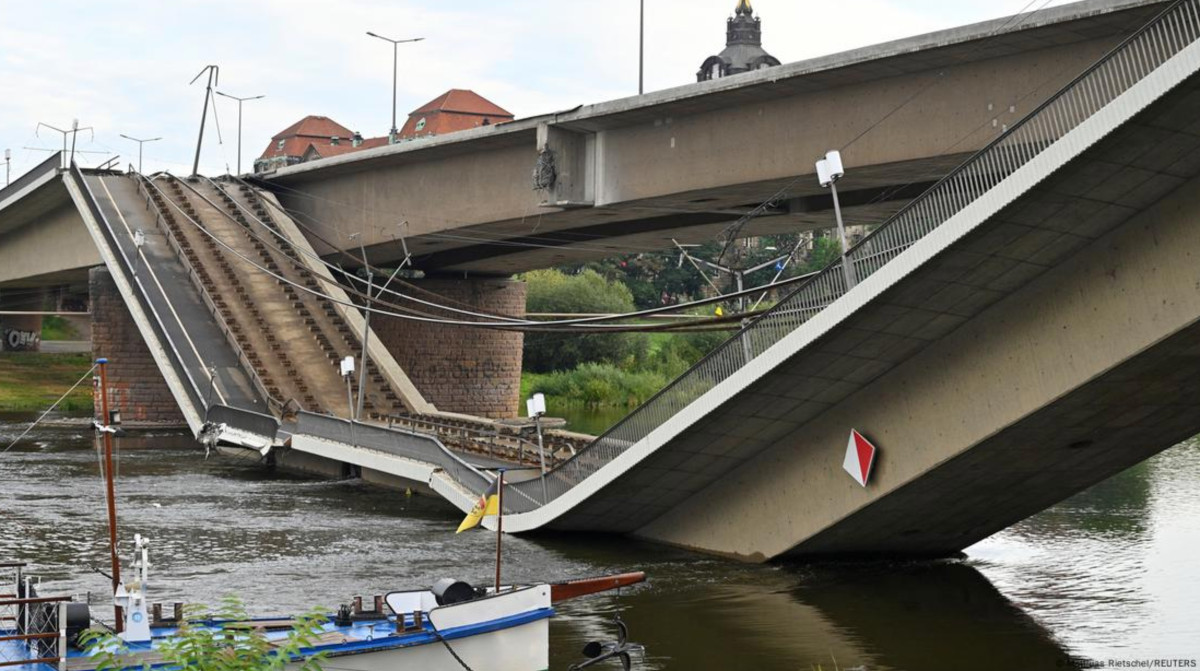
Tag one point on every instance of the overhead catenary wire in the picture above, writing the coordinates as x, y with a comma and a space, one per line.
596, 324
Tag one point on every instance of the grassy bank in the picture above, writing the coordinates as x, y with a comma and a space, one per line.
607, 385
31, 381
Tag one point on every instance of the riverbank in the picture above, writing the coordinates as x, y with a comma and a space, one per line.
31, 381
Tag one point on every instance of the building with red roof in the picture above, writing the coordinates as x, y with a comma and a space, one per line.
454, 110
316, 137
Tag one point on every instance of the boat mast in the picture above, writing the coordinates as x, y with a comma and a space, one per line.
499, 525
110, 489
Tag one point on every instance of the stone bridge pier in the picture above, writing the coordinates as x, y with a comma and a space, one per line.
473, 371
135, 384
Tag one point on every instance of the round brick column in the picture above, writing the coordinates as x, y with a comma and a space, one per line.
461, 369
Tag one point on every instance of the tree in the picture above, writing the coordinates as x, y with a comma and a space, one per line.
587, 292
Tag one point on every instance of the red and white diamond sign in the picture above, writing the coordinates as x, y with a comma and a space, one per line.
860, 456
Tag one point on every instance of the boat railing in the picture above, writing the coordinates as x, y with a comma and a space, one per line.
33, 629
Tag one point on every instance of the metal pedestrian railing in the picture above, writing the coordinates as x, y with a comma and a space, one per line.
1177, 27
419, 447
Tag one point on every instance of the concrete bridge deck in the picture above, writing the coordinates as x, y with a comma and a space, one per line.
684, 163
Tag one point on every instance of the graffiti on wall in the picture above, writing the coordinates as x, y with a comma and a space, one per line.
16, 340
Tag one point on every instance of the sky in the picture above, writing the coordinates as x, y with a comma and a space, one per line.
124, 67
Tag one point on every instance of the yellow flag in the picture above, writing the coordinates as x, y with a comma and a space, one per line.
488, 504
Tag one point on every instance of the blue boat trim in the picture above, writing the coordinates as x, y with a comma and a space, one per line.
388, 641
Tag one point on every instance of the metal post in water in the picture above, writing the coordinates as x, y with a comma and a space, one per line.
110, 490
499, 523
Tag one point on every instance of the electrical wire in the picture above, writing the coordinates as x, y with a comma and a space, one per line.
597, 323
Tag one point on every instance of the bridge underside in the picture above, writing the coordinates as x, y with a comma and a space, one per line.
633, 175
1055, 346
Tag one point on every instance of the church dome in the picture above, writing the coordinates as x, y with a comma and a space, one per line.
743, 47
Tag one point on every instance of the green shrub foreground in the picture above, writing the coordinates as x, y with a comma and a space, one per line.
234, 646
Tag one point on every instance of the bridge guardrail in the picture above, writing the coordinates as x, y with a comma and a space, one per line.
244, 420
410, 445
50, 165
160, 331
1137, 56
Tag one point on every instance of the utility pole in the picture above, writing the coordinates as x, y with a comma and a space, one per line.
7, 167
214, 76
642, 49
140, 143
75, 130
395, 75
239, 102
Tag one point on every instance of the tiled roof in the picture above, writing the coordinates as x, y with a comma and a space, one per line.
463, 102
310, 130
314, 126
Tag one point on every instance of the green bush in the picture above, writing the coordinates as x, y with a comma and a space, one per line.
201, 645
587, 292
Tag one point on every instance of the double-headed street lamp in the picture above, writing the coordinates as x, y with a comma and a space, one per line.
140, 143
829, 171
239, 102
395, 74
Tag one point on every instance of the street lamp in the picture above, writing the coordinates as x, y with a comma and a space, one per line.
535, 407
7, 165
239, 102
140, 143
395, 74
829, 171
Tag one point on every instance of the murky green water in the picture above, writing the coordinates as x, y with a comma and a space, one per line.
1110, 574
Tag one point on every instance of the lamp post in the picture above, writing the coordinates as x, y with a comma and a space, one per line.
239, 102
140, 143
535, 407
7, 166
395, 74
829, 171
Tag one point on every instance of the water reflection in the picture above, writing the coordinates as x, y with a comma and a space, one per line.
1105, 574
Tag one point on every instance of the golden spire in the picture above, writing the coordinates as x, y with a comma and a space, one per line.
744, 7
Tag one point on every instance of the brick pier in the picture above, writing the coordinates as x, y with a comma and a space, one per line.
135, 384
459, 369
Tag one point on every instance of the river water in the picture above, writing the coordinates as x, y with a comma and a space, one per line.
1107, 575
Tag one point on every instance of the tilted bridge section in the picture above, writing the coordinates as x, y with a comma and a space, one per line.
986, 343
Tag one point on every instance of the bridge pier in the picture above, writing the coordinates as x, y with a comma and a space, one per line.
473, 371
21, 333
134, 381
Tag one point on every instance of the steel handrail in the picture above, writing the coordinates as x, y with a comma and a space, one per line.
119, 253
1118, 71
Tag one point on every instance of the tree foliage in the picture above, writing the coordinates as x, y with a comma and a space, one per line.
217, 641
586, 292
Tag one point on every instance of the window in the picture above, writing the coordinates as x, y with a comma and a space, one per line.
421, 124
279, 146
